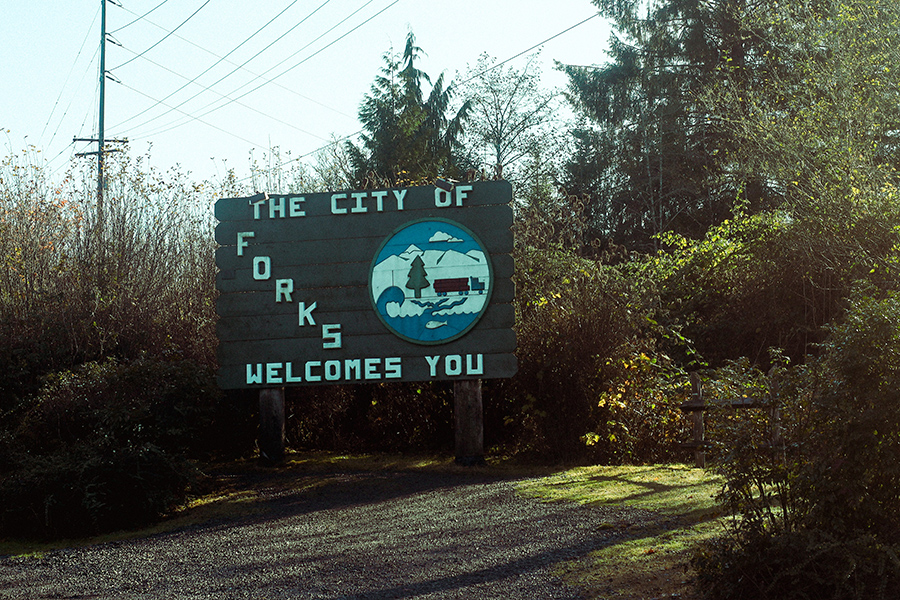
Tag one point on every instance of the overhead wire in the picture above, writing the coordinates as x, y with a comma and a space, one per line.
87, 113
66, 82
173, 125
226, 131
163, 39
284, 60
140, 18
272, 80
191, 117
266, 82
208, 88
489, 69
255, 75
523, 52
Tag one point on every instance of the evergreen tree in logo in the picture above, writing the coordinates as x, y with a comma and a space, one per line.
417, 276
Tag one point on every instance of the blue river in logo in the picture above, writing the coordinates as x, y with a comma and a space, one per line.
426, 327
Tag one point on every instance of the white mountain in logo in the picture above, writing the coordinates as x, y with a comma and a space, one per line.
411, 252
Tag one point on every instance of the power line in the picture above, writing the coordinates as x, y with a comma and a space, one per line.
241, 104
88, 113
266, 82
549, 39
140, 18
174, 124
198, 119
255, 75
208, 88
75, 62
163, 39
489, 69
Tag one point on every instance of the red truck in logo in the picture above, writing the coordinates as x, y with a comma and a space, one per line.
442, 287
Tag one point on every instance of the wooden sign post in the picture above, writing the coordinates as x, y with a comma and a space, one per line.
367, 286
468, 417
271, 424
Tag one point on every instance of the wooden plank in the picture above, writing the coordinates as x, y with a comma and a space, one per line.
245, 304
316, 252
353, 323
417, 368
478, 219
310, 277
483, 341
320, 204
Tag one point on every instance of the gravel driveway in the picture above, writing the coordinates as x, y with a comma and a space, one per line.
351, 535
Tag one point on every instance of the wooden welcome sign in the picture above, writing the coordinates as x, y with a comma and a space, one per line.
368, 286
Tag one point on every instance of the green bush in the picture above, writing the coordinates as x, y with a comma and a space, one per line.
800, 565
818, 515
106, 446
408, 417
84, 489
80, 281
593, 383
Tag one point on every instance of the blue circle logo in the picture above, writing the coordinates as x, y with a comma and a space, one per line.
431, 281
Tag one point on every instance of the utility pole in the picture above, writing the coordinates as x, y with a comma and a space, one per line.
101, 140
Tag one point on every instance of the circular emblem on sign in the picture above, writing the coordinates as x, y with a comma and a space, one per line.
430, 281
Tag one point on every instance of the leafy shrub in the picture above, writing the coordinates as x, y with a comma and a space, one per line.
592, 383
820, 513
408, 417
799, 565
106, 446
748, 285
83, 489
80, 281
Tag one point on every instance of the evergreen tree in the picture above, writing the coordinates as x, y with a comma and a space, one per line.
408, 138
646, 152
417, 277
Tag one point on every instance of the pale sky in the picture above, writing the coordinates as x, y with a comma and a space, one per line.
49, 68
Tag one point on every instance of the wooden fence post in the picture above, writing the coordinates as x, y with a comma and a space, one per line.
468, 415
697, 418
271, 424
774, 413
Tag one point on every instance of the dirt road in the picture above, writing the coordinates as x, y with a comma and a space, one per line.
342, 535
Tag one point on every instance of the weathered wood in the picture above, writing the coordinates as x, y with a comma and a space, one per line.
319, 204
246, 304
484, 341
415, 368
311, 230
468, 414
697, 405
334, 275
356, 323
698, 427
297, 301
271, 424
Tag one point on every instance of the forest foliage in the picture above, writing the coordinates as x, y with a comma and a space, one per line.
724, 202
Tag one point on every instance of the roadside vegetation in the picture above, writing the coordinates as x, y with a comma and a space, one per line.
724, 204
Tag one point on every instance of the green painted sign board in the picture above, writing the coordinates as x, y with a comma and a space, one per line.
366, 286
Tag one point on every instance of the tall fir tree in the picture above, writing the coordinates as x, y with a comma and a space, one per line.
647, 150
408, 138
